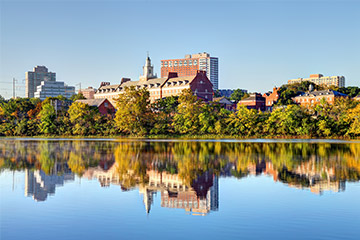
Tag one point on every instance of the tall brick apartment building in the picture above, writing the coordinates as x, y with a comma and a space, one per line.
171, 85
189, 66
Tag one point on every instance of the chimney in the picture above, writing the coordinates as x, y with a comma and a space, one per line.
172, 75
123, 80
104, 84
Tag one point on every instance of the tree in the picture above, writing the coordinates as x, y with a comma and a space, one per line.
47, 119
353, 118
290, 120
82, 116
77, 97
164, 110
133, 114
351, 91
186, 119
217, 93
244, 122
288, 91
238, 95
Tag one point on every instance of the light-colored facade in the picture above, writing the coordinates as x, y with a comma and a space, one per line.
319, 79
34, 79
190, 64
53, 89
88, 93
171, 85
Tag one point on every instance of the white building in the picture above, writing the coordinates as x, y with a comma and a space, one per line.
53, 89
319, 79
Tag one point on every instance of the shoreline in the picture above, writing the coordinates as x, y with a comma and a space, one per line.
205, 138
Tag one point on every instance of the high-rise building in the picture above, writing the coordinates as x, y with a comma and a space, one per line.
34, 79
189, 65
319, 79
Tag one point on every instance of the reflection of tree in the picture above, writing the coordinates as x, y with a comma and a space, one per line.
46, 156
130, 167
299, 163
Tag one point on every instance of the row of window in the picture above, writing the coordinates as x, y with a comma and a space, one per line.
312, 100
179, 63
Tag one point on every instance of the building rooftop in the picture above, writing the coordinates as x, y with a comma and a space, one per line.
322, 93
92, 102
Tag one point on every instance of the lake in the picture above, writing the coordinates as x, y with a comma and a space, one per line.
179, 189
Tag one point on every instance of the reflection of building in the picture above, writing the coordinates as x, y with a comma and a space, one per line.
39, 185
307, 175
201, 198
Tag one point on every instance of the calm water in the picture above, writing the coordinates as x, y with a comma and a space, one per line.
162, 189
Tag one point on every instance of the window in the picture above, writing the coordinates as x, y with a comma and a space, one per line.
175, 63
190, 62
165, 64
195, 62
180, 63
185, 63
170, 64
106, 104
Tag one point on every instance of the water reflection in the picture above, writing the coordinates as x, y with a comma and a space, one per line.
184, 173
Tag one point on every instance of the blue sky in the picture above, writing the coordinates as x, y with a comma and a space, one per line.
260, 44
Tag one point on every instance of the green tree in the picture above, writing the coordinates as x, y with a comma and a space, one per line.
134, 115
77, 97
164, 110
290, 120
245, 122
288, 91
83, 118
186, 119
47, 119
238, 95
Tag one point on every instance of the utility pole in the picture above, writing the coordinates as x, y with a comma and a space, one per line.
79, 84
13, 88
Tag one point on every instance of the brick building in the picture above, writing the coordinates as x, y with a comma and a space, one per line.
171, 85
255, 101
189, 66
314, 97
88, 92
271, 98
105, 107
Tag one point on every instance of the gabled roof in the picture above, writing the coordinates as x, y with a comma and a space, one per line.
92, 102
322, 93
222, 100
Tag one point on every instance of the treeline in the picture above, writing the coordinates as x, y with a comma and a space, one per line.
184, 115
